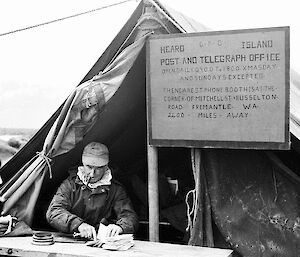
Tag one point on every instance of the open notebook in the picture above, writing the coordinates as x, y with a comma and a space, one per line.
119, 242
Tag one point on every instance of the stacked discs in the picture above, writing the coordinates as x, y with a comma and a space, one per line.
42, 238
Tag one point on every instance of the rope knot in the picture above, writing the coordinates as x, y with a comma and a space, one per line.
47, 160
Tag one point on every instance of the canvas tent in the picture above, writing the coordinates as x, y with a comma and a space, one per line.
58, 136
249, 197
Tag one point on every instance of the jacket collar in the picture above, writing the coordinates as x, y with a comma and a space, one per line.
105, 180
97, 190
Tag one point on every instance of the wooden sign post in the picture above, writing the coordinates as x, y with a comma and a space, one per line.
225, 89
153, 194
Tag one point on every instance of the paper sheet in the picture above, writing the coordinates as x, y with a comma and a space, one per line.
102, 231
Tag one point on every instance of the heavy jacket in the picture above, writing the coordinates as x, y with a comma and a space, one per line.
75, 203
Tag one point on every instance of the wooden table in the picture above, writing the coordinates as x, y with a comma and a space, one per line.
22, 246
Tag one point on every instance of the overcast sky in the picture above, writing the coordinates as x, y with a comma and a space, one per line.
39, 67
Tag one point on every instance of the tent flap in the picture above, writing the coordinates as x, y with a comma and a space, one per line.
91, 96
78, 115
254, 205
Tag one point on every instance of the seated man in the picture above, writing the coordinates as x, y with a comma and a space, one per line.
90, 196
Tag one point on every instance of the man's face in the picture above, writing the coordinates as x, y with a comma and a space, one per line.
94, 173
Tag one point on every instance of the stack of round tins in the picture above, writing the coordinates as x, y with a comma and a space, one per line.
42, 238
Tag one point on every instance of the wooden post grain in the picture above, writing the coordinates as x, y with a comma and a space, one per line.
153, 194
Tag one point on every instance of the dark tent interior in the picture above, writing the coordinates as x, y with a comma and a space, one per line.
125, 135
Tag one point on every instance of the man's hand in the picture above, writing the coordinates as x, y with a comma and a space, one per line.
87, 231
113, 230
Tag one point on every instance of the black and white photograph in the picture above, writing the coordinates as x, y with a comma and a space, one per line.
149, 128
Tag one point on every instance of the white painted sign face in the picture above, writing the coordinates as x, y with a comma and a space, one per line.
219, 89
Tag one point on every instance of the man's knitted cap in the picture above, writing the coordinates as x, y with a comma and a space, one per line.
95, 154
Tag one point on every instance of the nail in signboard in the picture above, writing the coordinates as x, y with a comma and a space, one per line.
224, 89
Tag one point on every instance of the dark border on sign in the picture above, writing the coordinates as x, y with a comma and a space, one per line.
220, 144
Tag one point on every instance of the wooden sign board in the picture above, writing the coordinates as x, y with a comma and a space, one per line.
226, 89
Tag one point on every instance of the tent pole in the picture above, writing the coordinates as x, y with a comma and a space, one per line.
153, 194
